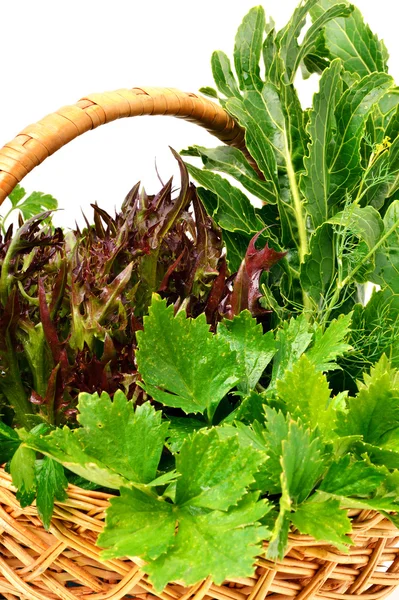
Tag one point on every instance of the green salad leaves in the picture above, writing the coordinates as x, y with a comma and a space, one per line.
232, 396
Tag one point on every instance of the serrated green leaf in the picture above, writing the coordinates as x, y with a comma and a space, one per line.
325, 521
346, 477
22, 469
9, 442
215, 473
311, 40
16, 195
51, 484
315, 182
248, 47
232, 161
36, 203
331, 343
273, 435
180, 428
196, 552
223, 75
233, 210
366, 223
374, 412
352, 40
141, 524
270, 144
386, 271
318, 269
192, 369
302, 462
115, 445
306, 393
287, 38
351, 114
254, 349
137, 524
292, 340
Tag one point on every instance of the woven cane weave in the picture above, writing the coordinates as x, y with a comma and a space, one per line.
64, 562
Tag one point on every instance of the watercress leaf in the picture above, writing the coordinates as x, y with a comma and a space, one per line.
351, 114
386, 271
22, 469
215, 472
346, 477
352, 40
137, 524
331, 343
292, 340
115, 445
191, 369
315, 181
51, 484
248, 47
324, 521
318, 269
254, 349
223, 75
307, 396
196, 553
9, 442
233, 210
180, 428
232, 161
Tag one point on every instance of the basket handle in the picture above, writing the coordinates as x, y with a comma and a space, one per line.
38, 141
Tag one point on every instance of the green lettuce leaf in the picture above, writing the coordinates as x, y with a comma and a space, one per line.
51, 485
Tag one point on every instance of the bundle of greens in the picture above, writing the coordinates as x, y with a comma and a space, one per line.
71, 302
252, 414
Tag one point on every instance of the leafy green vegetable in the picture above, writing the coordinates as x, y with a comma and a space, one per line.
254, 349
114, 445
22, 469
324, 521
218, 515
9, 442
192, 369
51, 483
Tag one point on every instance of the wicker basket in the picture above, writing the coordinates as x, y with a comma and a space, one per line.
64, 562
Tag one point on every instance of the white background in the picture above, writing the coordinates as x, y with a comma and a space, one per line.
53, 53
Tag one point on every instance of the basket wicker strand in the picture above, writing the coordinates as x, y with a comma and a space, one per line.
64, 562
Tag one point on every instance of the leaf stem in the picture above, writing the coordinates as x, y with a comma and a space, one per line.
349, 277
298, 207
